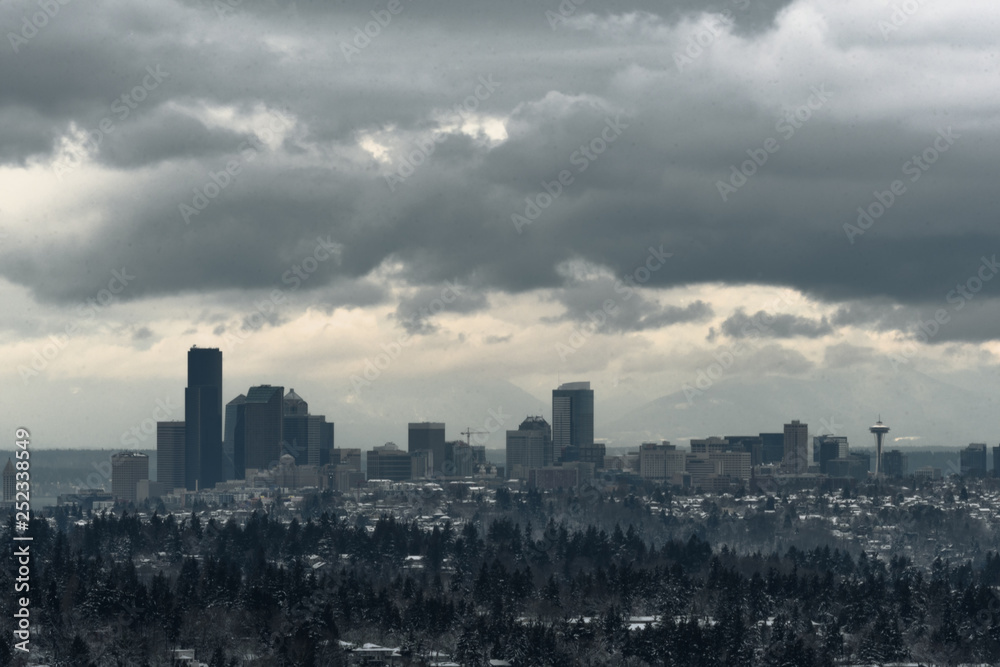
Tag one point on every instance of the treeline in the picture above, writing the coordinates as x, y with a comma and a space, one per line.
117, 590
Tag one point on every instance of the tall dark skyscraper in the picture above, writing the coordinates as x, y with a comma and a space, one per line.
973, 460
263, 424
773, 447
203, 419
796, 457
127, 468
427, 436
573, 422
170, 448
233, 454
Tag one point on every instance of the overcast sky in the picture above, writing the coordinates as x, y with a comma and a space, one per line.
526, 192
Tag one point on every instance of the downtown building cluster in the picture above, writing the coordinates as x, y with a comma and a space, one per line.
267, 438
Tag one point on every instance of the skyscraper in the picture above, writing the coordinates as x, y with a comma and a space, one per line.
262, 427
573, 422
389, 462
457, 459
879, 430
203, 419
973, 460
127, 468
772, 447
895, 463
428, 436
826, 448
530, 446
233, 453
818, 441
796, 442
170, 454
829, 450
309, 438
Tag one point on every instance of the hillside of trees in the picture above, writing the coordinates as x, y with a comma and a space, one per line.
512, 582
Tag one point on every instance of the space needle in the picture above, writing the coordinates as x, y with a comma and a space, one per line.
879, 429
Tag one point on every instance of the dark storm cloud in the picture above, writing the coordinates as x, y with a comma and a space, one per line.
164, 136
24, 133
524, 15
611, 306
349, 294
770, 325
655, 185
954, 319
416, 312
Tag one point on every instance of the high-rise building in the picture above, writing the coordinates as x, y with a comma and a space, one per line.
9, 481
428, 436
573, 423
457, 459
702, 467
389, 462
827, 448
262, 426
752, 445
661, 461
300, 433
203, 419
895, 463
127, 468
818, 441
421, 464
973, 460
326, 442
772, 447
734, 464
796, 445
996, 461
170, 452
530, 446
233, 456
309, 438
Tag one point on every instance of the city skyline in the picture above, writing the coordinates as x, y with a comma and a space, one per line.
500, 333
779, 227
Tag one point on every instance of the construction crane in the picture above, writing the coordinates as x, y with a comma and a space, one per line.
468, 433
